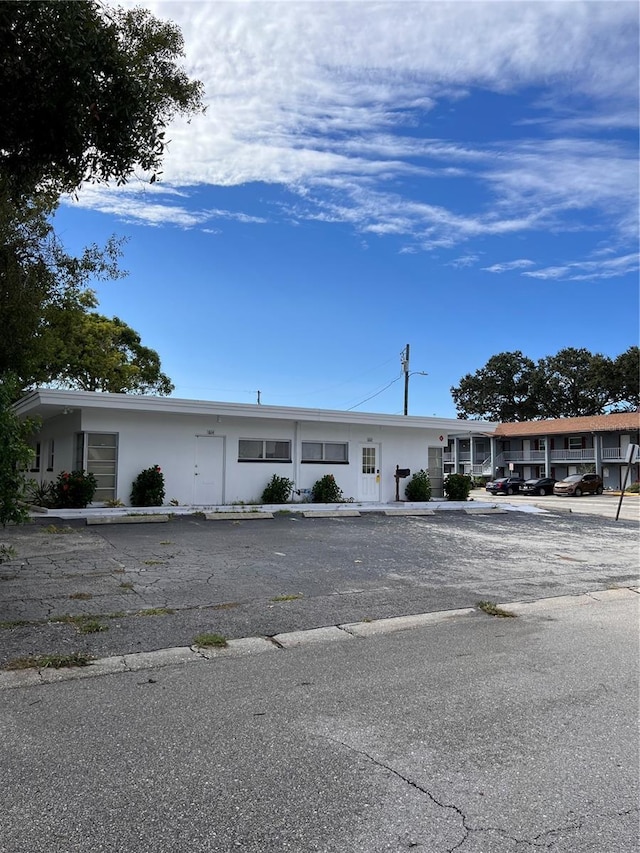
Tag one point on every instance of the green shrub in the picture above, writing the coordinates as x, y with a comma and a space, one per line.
634, 488
148, 487
419, 487
277, 491
457, 487
326, 491
41, 494
74, 490
15, 454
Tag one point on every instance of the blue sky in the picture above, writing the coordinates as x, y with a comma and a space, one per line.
458, 176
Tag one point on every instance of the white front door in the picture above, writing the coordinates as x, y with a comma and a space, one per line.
369, 475
209, 470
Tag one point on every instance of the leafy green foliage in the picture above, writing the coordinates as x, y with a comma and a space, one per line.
74, 490
457, 487
503, 390
87, 91
277, 491
15, 456
148, 487
41, 494
419, 487
95, 353
326, 491
572, 383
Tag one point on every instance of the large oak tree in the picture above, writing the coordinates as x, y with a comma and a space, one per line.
572, 383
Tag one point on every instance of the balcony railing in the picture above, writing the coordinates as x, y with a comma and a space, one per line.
613, 453
463, 457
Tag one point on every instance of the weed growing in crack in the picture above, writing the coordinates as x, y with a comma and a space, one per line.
7, 552
156, 611
50, 661
492, 609
287, 597
81, 596
210, 641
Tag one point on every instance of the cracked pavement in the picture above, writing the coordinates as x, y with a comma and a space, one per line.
474, 735
247, 579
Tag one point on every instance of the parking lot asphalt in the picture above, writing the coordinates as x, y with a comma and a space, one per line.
155, 586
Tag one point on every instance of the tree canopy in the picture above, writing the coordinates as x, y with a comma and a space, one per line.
571, 383
87, 91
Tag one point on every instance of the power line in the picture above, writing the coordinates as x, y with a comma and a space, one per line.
377, 393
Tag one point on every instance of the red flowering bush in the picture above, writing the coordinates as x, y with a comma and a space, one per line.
74, 490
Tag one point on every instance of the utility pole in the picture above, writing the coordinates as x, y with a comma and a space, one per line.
404, 358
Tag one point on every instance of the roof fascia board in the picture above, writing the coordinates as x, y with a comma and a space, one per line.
44, 397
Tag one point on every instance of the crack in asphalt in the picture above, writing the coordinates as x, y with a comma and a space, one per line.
537, 842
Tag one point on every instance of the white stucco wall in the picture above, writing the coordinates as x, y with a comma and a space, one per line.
169, 441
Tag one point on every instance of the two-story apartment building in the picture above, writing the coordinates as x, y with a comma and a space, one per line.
553, 448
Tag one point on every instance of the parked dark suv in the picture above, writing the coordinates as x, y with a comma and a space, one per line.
505, 485
579, 484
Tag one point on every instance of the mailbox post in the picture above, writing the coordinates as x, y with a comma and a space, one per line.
400, 474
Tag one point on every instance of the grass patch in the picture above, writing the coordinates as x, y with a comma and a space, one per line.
50, 661
90, 625
81, 596
7, 552
126, 585
156, 611
227, 605
287, 597
83, 623
210, 640
492, 609
166, 542
52, 528
154, 563
18, 623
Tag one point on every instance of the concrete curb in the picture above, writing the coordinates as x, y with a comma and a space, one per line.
236, 516
294, 639
126, 519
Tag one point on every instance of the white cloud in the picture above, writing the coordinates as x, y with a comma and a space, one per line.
464, 261
521, 263
325, 98
589, 270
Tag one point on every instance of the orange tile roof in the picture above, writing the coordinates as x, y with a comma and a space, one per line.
595, 423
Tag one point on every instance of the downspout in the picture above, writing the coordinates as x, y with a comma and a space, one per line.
296, 455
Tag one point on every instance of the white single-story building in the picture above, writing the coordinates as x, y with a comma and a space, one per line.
213, 454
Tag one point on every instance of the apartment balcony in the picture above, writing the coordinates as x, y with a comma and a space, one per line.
463, 458
587, 454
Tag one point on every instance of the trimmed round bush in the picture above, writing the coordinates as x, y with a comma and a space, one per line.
457, 487
326, 491
277, 491
419, 487
148, 487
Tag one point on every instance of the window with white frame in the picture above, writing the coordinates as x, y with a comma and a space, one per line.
52, 455
334, 452
263, 450
575, 442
